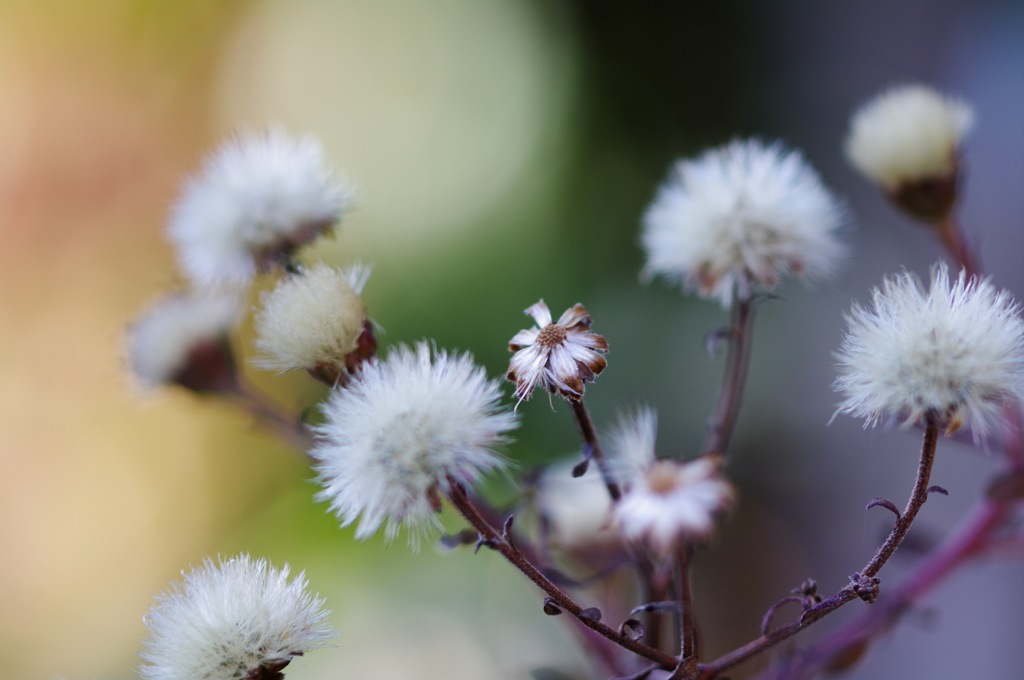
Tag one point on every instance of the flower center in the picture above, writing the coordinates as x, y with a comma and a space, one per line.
662, 478
551, 336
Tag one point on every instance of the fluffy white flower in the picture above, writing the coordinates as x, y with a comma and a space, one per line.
183, 339
738, 218
673, 502
314, 320
400, 430
954, 353
237, 619
559, 357
907, 134
257, 199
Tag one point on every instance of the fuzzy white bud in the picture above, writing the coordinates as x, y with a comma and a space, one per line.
313, 318
182, 339
908, 134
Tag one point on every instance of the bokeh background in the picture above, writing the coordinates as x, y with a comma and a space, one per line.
504, 152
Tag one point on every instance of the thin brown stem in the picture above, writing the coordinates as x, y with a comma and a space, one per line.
494, 539
270, 416
687, 667
953, 240
859, 587
593, 444
737, 361
917, 498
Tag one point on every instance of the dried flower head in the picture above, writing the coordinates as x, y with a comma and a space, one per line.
182, 339
236, 619
736, 220
559, 357
257, 199
907, 140
396, 435
673, 502
315, 320
953, 353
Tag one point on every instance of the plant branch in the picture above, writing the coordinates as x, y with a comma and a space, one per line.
270, 416
863, 584
687, 667
593, 446
737, 361
494, 539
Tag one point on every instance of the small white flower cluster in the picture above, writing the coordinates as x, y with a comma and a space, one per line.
257, 200
953, 353
736, 220
234, 619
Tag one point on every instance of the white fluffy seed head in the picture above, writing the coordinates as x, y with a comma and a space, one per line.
954, 353
161, 341
229, 618
396, 434
907, 134
257, 199
738, 218
311, 318
673, 503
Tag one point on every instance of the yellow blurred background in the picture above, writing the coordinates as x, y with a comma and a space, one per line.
503, 152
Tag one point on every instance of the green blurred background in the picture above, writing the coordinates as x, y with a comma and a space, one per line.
504, 152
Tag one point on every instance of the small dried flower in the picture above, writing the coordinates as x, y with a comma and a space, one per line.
907, 140
954, 353
238, 619
183, 340
736, 220
256, 201
559, 357
396, 435
315, 320
673, 502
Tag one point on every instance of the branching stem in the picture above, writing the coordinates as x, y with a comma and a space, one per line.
917, 498
271, 417
495, 540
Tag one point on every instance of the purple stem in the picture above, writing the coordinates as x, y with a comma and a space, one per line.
495, 540
737, 361
850, 592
